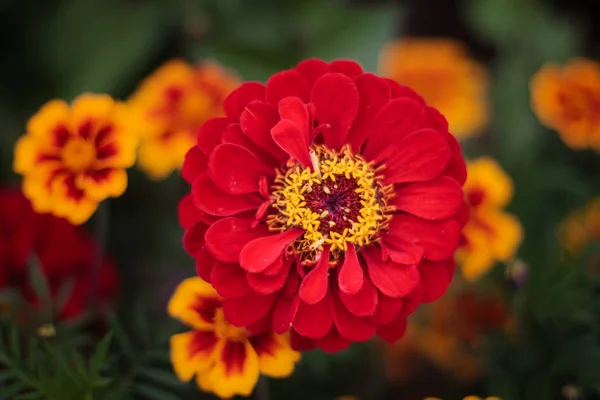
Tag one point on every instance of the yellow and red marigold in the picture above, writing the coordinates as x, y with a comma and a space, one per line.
491, 234
74, 156
441, 71
467, 398
325, 202
226, 360
567, 99
171, 104
580, 228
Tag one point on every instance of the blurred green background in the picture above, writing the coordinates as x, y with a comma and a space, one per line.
58, 49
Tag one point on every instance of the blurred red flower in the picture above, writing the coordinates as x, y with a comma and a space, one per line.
67, 255
326, 201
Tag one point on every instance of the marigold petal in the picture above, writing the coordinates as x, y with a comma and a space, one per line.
229, 280
349, 325
259, 253
290, 138
194, 164
209, 134
209, 198
275, 356
237, 101
362, 303
351, 276
284, 84
192, 352
437, 199
314, 320
104, 183
194, 303
488, 177
247, 309
394, 280
52, 114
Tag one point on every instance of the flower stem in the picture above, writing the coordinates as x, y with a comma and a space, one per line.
261, 392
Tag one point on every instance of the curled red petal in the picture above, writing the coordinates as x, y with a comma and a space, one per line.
362, 303
256, 121
235, 169
437, 199
394, 280
226, 237
401, 247
351, 277
284, 84
259, 253
194, 164
347, 67
229, 280
295, 110
350, 326
392, 331
266, 284
315, 284
291, 139
246, 310
435, 278
314, 320
235, 103
209, 134
209, 198
233, 134
336, 101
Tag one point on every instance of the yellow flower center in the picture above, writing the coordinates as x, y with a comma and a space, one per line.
78, 154
339, 200
225, 330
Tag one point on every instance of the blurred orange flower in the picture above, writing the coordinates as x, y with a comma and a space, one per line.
73, 157
567, 99
490, 234
171, 104
226, 360
441, 71
580, 227
467, 398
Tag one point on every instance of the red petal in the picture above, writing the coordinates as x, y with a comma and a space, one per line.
350, 326
420, 156
205, 263
374, 94
212, 200
259, 253
226, 237
439, 239
235, 103
274, 268
314, 320
291, 139
312, 70
233, 134
188, 212
229, 280
456, 167
401, 247
283, 314
256, 122
362, 303
395, 120
294, 109
336, 99
437, 199
194, 164
435, 278
350, 278
235, 169
315, 284
301, 343
399, 90
332, 342
393, 331
267, 284
247, 309
394, 280
346, 67
193, 238
209, 135
286, 83
388, 308
412, 302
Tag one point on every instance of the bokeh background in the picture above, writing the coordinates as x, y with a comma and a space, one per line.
531, 339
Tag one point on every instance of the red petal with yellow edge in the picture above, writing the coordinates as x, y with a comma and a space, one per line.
103, 183
336, 100
437, 199
350, 326
209, 134
374, 94
194, 164
193, 238
194, 303
346, 67
362, 303
333, 342
209, 198
388, 308
237, 101
392, 279
420, 156
247, 309
258, 254
435, 278
235, 169
284, 84
229, 279
192, 352
392, 331
314, 320
315, 284
312, 69
256, 123
235, 371
226, 237
275, 356
290, 138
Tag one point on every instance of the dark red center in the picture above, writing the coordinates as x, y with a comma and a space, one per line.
339, 199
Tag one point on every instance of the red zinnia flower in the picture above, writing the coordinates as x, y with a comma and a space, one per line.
67, 255
326, 201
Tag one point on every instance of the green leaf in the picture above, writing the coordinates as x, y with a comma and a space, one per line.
38, 280
150, 392
14, 343
99, 357
8, 392
161, 376
121, 336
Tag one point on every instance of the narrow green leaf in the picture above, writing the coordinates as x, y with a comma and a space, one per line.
99, 357
150, 392
101, 382
14, 343
32, 354
121, 336
8, 392
31, 396
162, 376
